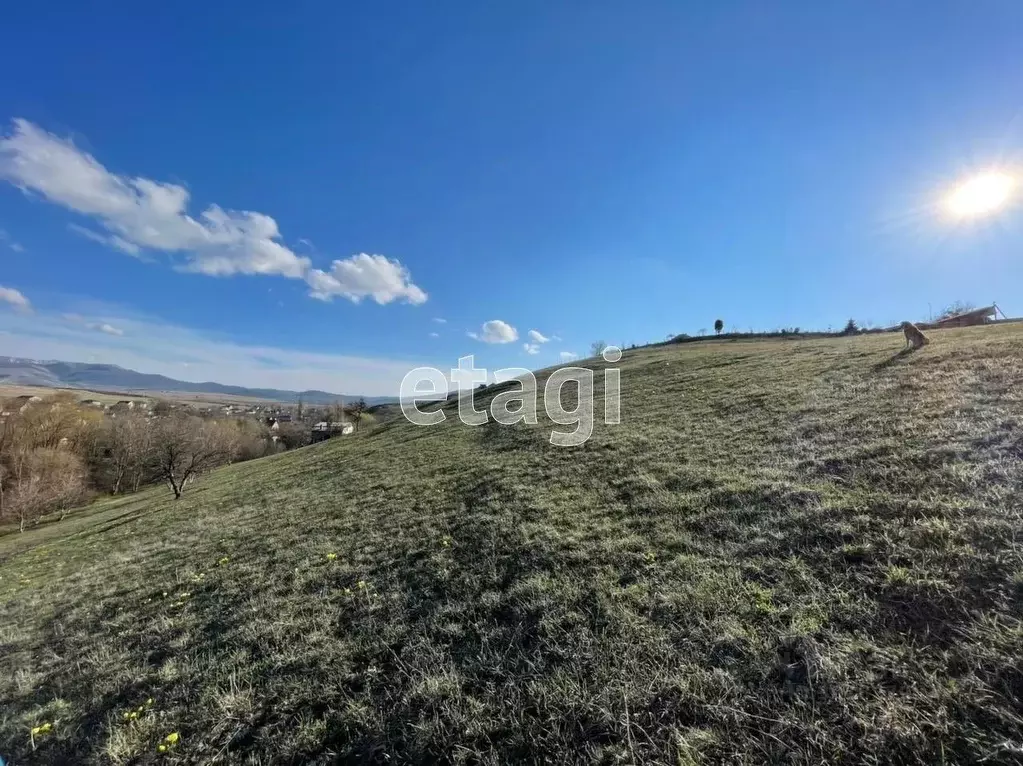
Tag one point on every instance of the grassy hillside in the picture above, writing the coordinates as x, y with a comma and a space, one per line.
791, 552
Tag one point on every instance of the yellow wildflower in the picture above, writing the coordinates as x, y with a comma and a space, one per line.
361, 583
223, 561
172, 738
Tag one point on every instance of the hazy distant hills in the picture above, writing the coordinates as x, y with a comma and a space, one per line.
110, 377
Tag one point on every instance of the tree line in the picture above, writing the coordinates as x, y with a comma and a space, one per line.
56, 453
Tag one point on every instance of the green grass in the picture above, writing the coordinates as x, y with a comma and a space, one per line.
794, 552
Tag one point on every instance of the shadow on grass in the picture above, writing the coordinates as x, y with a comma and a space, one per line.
893, 359
117, 521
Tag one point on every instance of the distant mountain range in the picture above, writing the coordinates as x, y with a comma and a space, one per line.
110, 377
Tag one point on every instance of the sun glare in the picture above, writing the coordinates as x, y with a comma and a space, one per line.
981, 195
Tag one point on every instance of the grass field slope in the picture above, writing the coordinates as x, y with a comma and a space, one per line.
788, 552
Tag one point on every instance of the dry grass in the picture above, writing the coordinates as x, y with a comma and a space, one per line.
8, 391
792, 552
177, 397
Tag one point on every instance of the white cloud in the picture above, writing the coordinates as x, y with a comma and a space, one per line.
364, 275
496, 331
434, 334
152, 346
109, 329
98, 326
15, 299
6, 239
531, 348
137, 214
107, 239
537, 337
568, 356
438, 320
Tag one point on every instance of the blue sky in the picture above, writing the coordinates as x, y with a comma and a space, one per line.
292, 196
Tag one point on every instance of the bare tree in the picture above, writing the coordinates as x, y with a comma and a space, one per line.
597, 347
250, 439
957, 307
49, 480
354, 412
294, 435
127, 444
68, 479
336, 412
40, 467
184, 447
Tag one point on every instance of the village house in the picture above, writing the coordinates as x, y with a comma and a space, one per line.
968, 318
325, 430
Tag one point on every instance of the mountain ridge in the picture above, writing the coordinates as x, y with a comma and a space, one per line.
90, 375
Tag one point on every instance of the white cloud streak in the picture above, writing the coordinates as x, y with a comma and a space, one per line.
6, 239
531, 348
537, 337
568, 356
97, 326
107, 239
109, 329
496, 331
15, 299
152, 346
136, 214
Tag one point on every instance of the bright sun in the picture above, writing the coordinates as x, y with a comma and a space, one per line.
981, 195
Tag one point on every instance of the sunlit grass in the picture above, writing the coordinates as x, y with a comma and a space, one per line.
789, 551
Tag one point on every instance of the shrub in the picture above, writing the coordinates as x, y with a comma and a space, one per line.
43, 480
